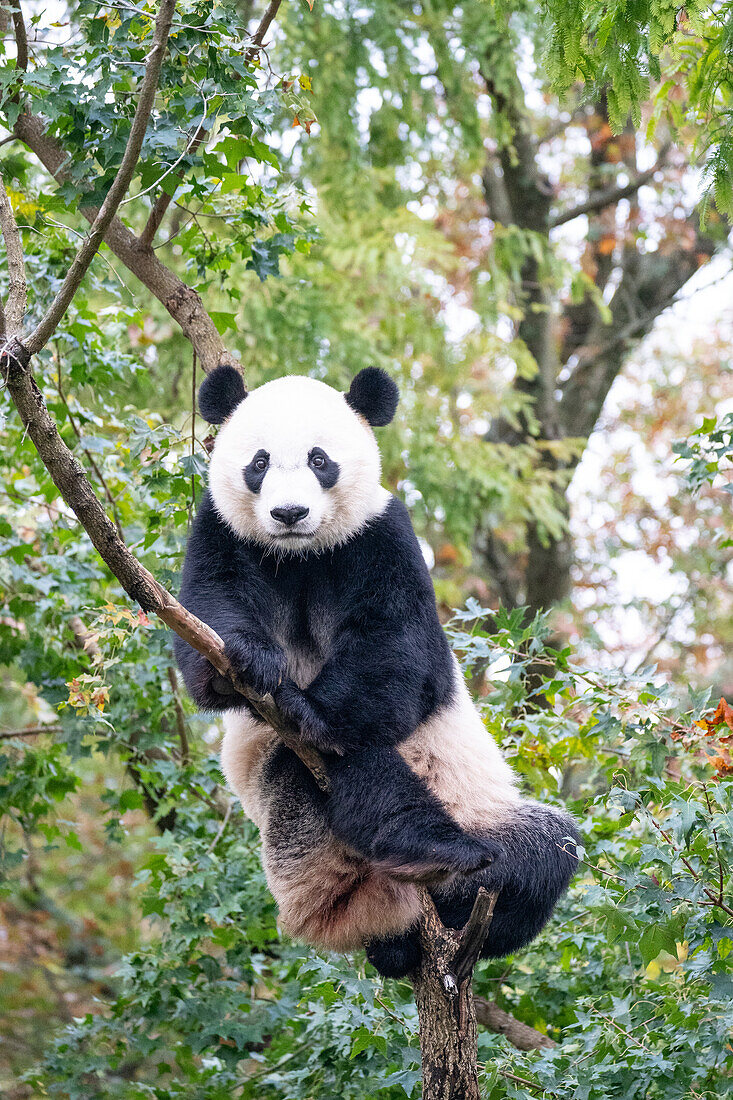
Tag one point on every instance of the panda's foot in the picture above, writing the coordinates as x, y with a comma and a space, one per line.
440, 859
396, 956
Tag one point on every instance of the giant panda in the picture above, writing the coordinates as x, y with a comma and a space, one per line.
310, 572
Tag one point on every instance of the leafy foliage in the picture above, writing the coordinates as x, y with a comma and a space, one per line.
683, 49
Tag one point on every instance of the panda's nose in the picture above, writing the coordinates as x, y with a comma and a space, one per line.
290, 514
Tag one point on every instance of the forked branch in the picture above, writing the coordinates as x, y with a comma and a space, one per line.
599, 200
444, 999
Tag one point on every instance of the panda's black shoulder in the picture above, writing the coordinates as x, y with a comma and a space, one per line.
385, 558
209, 529
389, 537
213, 544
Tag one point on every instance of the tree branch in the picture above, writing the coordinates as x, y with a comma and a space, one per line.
49, 322
598, 200
444, 999
520, 1035
259, 36
649, 284
163, 201
14, 310
21, 38
29, 731
474, 934
180, 300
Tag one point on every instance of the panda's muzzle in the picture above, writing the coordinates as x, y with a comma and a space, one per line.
290, 514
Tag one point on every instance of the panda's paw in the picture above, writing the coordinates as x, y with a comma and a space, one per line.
474, 854
261, 667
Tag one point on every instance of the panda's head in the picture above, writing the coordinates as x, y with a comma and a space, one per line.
295, 466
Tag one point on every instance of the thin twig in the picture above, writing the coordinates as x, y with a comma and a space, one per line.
180, 716
222, 827
146, 98
164, 199
714, 899
717, 845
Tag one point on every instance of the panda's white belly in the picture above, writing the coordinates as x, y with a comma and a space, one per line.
458, 759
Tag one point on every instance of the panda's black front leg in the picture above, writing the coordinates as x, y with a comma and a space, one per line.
382, 810
260, 663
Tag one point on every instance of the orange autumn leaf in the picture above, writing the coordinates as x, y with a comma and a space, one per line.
723, 714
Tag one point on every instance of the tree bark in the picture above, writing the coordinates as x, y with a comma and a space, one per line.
444, 1000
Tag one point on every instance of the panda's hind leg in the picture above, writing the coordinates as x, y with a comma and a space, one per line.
395, 956
539, 862
386, 813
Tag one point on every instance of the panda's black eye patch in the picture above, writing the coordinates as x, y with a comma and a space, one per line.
326, 470
254, 473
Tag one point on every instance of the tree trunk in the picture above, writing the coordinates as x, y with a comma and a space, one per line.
444, 999
448, 1035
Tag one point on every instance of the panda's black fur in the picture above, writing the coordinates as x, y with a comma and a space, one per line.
362, 614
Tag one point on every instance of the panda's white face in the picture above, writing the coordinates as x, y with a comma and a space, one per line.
294, 468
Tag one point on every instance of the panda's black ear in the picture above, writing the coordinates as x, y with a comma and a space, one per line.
220, 393
374, 395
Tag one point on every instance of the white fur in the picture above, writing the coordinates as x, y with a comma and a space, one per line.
458, 759
287, 418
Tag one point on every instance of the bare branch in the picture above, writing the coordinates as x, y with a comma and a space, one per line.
259, 36
649, 285
474, 934
598, 200
138, 582
29, 731
21, 38
520, 1035
49, 322
17, 292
